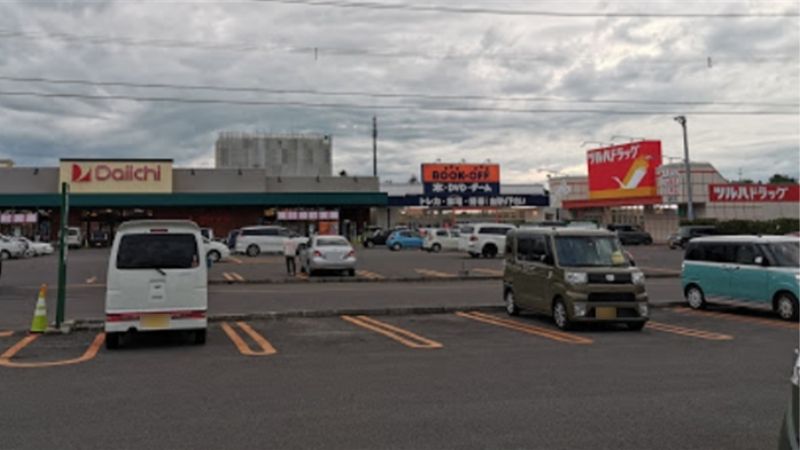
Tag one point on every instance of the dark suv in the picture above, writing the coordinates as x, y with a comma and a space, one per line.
631, 234
687, 233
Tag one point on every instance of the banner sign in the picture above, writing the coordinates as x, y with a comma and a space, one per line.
448, 179
758, 193
313, 216
469, 201
624, 171
117, 176
669, 183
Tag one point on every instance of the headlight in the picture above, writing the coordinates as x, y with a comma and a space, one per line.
579, 309
576, 277
643, 309
637, 278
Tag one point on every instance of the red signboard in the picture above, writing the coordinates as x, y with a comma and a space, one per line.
460, 173
759, 193
624, 171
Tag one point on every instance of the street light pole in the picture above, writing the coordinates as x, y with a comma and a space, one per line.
689, 202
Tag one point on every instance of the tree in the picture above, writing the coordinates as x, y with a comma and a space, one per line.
780, 178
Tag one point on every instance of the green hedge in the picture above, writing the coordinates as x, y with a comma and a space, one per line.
775, 226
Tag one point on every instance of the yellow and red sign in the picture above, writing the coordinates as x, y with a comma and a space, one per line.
624, 171
117, 176
460, 173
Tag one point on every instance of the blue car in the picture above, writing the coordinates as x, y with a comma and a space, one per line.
404, 239
751, 271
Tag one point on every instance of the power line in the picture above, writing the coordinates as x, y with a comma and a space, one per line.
463, 97
468, 109
519, 12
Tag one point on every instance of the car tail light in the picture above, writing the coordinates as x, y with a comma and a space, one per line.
121, 317
158, 230
351, 254
189, 315
317, 254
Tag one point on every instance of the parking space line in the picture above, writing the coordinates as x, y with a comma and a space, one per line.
236, 260
91, 280
737, 318
90, 353
689, 332
492, 272
6, 333
369, 275
400, 335
433, 273
266, 348
526, 328
237, 277
228, 277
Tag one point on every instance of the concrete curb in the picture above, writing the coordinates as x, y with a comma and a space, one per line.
393, 279
97, 324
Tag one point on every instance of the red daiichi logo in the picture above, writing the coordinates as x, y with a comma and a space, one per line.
79, 176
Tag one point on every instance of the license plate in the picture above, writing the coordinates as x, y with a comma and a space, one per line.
154, 321
605, 313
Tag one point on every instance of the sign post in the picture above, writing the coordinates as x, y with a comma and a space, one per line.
62, 256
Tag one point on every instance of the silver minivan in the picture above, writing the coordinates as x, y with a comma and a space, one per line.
262, 239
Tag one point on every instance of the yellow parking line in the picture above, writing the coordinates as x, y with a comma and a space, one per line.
91, 352
737, 318
6, 333
690, 332
91, 280
266, 348
227, 277
369, 275
400, 335
236, 260
237, 277
526, 328
433, 273
489, 271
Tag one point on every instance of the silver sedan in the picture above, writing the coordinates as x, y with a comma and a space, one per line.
328, 253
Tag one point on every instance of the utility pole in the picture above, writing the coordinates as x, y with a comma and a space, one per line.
374, 146
689, 203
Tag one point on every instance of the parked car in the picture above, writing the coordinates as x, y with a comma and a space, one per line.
485, 239
231, 239
583, 224
399, 240
631, 234
574, 275
328, 253
215, 251
687, 233
752, 271
11, 247
156, 280
37, 248
74, 237
441, 239
99, 238
262, 239
790, 437
377, 238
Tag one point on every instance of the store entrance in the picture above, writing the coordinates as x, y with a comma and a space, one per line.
99, 225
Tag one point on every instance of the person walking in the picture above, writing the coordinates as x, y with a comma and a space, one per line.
290, 252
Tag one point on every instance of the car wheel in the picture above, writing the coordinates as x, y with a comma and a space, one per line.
436, 248
199, 337
489, 251
5, 254
396, 247
635, 326
560, 316
214, 256
113, 340
786, 306
695, 297
253, 250
511, 305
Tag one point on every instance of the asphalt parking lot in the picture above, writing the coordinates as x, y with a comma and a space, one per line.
466, 380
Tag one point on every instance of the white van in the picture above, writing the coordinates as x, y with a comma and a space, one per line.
262, 239
484, 239
157, 280
74, 237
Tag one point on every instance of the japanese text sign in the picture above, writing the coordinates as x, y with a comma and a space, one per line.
624, 171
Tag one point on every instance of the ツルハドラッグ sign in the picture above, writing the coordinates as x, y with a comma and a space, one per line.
623, 171
442, 179
754, 193
117, 176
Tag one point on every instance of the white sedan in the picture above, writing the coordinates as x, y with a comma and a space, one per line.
216, 251
38, 248
328, 253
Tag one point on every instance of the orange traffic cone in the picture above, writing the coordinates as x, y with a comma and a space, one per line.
39, 324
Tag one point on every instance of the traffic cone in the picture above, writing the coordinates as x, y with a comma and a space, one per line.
39, 324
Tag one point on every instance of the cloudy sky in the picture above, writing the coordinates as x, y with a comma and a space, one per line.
455, 80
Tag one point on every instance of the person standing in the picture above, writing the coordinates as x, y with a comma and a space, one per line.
290, 252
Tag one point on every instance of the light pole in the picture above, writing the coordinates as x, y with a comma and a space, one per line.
689, 203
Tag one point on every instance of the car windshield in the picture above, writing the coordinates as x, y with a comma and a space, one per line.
157, 251
786, 254
332, 242
589, 251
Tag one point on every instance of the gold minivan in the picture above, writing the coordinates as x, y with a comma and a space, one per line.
574, 275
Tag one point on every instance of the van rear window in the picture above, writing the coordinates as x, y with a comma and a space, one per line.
157, 251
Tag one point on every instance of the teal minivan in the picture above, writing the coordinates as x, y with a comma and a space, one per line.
752, 271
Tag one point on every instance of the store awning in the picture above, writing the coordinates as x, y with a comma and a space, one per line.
605, 203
